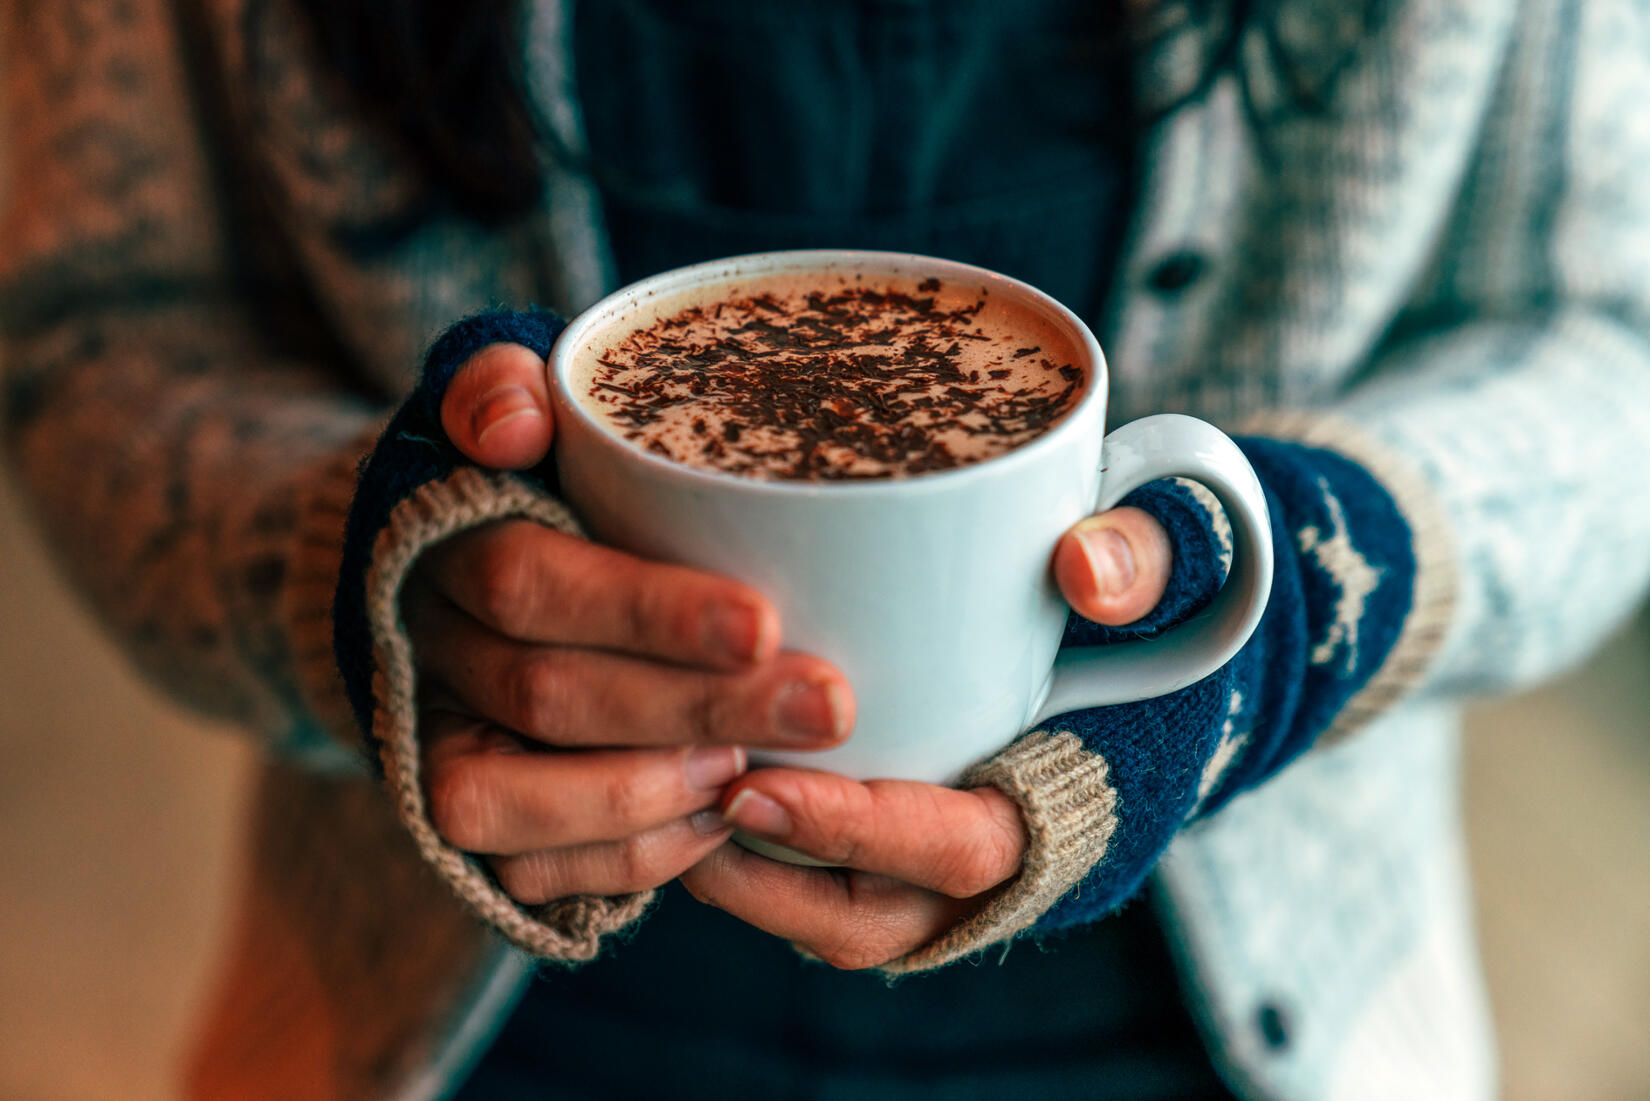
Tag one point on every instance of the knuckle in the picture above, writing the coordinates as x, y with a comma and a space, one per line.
502, 589
711, 708
834, 819
642, 613
528, 879
633, 862
540, 698
460, 809
703, 712
974, 866
577, 588
636, 613
658, 612
680, 612
644, 861
628, 799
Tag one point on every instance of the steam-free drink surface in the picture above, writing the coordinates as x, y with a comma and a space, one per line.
830, 376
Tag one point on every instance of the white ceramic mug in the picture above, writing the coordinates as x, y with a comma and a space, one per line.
934, 593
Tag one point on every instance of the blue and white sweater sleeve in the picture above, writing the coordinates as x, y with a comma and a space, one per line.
1104, 791
1504, 409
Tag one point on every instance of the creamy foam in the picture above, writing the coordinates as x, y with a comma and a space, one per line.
828, 375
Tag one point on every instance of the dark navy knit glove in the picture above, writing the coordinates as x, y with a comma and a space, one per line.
415, 490
1342, 588
412, 453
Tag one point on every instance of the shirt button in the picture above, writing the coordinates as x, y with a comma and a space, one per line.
1273, 1026
1177, 271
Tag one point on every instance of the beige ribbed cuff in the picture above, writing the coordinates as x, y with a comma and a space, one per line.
1432, 608
1069, 809
568, 929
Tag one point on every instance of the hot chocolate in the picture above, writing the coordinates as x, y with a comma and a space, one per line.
831, 376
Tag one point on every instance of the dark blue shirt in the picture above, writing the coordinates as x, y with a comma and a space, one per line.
988, 132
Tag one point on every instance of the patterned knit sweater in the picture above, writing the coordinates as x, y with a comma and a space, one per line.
217, 278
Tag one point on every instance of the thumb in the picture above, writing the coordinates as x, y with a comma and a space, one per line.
497, 408
1113, 568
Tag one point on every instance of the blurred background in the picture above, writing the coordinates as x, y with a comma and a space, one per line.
119, 821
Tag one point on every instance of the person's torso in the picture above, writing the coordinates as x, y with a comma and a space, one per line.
989, 133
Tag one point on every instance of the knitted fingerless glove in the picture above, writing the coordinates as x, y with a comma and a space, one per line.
416, 489
1105, 790
412, 453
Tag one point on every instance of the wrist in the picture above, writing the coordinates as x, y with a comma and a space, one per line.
1427, 625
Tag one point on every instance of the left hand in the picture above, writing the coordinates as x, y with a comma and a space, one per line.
914, 859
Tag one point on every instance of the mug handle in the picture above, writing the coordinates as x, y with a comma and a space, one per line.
1166, 446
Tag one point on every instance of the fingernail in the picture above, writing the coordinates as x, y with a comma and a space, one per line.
707, 822
731, 632
810, 712
751, 810
500, 404
709, 767
1110, 557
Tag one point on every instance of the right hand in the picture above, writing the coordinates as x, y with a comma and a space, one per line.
581, 709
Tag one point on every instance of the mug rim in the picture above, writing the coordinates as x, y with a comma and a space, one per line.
762, 264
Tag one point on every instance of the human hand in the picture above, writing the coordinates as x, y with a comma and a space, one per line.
581, 708
914, 859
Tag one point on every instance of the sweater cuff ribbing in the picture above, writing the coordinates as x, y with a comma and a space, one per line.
1432, 605
1069, 810
568, 929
